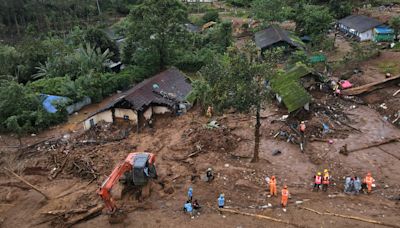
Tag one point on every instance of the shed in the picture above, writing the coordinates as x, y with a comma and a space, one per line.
163, 93
50, 102
274, 36
383, 34
359, 26
288, 88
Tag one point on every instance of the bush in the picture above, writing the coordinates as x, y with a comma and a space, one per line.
60, 86
194, 60
211, 15
9, 59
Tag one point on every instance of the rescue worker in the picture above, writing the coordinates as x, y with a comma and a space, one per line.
302, 128
285, 197
209, 175
326, 173
357, 185
317, 181
196, 205
209, 112
272, 186
347, 185
325, 183
188, 207
190, 194
368, 180
221, 201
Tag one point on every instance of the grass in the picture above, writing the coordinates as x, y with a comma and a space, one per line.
389, 67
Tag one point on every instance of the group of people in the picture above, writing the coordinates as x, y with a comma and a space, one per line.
321, 180
191, 206
353, 185
271, 182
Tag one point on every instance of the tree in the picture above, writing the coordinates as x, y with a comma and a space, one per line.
271, 10
238, 80
211, 15
99, 39
340, 8
156, 27
395, 24
313, 20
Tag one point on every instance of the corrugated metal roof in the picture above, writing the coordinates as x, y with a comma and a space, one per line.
272, 35
165, 88
360, 23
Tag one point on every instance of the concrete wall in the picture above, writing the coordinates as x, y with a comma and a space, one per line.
148, 113
120, 113
102, 116
368, 35
160, 110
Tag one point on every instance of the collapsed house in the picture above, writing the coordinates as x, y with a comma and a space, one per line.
274, 36
163, 93
289, 87
358, 26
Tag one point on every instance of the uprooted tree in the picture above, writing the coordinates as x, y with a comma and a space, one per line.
238, 80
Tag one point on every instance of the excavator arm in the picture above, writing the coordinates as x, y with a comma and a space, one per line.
107, 185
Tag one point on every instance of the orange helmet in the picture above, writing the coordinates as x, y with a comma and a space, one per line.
285, 186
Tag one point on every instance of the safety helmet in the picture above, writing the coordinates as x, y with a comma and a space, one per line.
319, 173
285, 186
302, 122
209, 169
325, 170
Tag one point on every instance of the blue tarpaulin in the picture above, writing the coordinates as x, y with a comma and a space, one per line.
49, 102
384, 30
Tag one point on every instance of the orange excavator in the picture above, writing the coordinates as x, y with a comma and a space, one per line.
137, 169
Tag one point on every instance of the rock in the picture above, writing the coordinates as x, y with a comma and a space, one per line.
299, 202
226, 165
386, 186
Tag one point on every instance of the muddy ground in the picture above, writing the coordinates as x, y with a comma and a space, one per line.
89, 157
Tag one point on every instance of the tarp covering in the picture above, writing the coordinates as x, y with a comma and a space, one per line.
50, 102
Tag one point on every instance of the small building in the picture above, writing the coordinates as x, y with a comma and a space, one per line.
163, 93
358, 26
274, 36
383, 34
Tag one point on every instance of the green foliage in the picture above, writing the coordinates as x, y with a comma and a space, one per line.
340, 8
272, 10
60, 86
99, 39
9, 60
313, 20
21, 110
240, 3
298, 56
219, 37
395, 24
211, 15
193, 60
156, 28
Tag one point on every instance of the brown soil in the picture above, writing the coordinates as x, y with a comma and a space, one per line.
228, 150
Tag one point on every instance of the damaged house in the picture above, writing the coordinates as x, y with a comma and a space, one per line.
163, 93
274, 36
290, 87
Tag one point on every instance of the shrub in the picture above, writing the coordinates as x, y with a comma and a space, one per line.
211, 15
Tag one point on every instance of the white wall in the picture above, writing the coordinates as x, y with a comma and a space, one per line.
148, 113
368, 35
102, 116
160, 110
121, 112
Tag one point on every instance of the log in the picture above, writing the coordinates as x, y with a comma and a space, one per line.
92, 213
370, 87
350, 217
375, 145
397, 92
29, 184
260, 217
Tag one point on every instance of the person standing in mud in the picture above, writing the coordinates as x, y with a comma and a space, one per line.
284, 197
317, 181
190, 194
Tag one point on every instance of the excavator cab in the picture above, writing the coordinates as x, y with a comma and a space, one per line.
143, 169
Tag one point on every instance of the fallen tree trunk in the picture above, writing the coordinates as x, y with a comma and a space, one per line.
350, 217
260, 217
375, 145
27, 183
96, 211
370, 87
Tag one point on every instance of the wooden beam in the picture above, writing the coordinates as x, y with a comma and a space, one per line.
370, 87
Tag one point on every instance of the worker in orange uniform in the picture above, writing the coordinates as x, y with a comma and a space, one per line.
272, 186
285, 197
368, 180
317, 181
302, 127
325, 183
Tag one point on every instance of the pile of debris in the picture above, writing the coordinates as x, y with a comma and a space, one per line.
104, 132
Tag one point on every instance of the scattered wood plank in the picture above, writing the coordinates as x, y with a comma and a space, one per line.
397, 92
375, 145
370, 87
350, 217
92, 213
260, 217
29, 184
